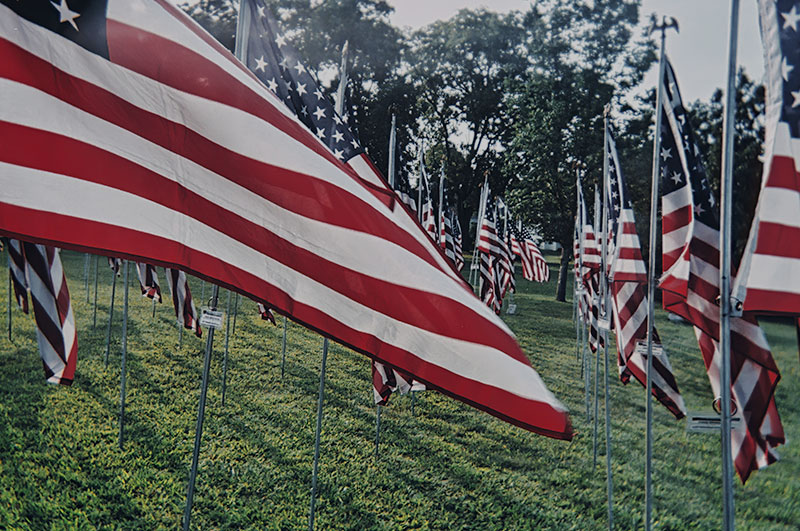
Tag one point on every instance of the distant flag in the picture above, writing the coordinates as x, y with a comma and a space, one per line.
18, 273
534, 266
148, 281
55, 322
266, 313
446, 228
490, 249
404, 192
185, 310
386, 381
769, 275
629, 294
691, 286
458, 241
115, 264
191, 124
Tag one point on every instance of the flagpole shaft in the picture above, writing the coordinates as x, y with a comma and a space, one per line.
599, 230
110, 316
726, 194
283, 348
123, 370
315, 468
86, 275
342, 81
651, 289
604, 311
235, 313
377, 428
94, 310
225, 356
392, 148
8, 315
201, 409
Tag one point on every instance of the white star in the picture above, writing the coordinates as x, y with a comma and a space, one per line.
66, 14
338, 136
318, 94
272, 85
321, 133
304, 111
280, 41
284, 63
354, 143
698, 210
319, 113
711, 201
338, 153
614, 195
676, 177
261, 11
790, 19
337, 119
301, 89
786, 68
300, 68
796, 95
261, 64
665, 153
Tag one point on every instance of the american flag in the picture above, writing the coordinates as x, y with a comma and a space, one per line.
629, 293
152, 142
458, 241
534, 266
148, 281
769, 276
386, 381
490, 247
691, 286
16, 268
115, 264
266, 313
446, 228
185, 310
55, 322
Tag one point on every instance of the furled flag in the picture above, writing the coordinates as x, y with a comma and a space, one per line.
629, 294
405, 193
446, 228
115, 264
386, 381
490, 250
266, 313
55, 322
534, 266
690, 247
16, 268
182, 300
769, 275
148, 281
180, 157
458, 241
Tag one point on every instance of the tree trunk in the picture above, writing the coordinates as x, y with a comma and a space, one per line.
561, 291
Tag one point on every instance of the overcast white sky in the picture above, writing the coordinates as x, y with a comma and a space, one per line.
698, 52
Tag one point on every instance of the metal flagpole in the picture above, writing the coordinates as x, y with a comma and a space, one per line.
201, 410
225, 356
342, 80
578, 278
154, 307
86, 275
8, 315
606, 318
235, 313
124, 357
726, 193
392, 148
596, 300
419, 181
439, 224
180, 335
320, 400
584, 331
110, 314
651, 274
203, 291
94, 310
474, 266
377, 428
283, 348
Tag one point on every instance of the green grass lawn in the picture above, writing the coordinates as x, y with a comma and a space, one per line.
446, 467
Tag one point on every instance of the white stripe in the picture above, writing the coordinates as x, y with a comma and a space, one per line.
73, 197
775, 273
782, 206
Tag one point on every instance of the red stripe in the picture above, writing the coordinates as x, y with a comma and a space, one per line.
676, 219
783, 174
767, 301
778, 240
86, 235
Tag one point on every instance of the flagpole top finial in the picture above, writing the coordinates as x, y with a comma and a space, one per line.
666, 23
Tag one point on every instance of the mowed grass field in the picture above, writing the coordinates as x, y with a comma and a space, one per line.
447, 466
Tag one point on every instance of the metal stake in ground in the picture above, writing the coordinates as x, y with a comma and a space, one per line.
225, 356
596, 301
94, 307
110, 315
605, 315
283, 348
86, 276
8, 314
725, 270
651, 277
320, 400
124, 357
201, 410
235, 313
377, 428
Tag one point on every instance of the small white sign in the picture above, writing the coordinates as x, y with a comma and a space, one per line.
641, 349
604, 325
211, 318
512, 309
708, 422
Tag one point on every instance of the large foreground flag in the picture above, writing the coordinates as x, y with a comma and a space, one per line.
151, 142
690, 282
769, 277
629, 294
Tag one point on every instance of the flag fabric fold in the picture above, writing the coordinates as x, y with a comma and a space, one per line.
386, 381
180, 157
18, 272
690, 247
185, 310
148, 281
